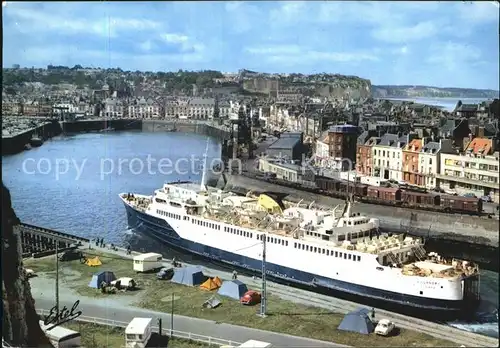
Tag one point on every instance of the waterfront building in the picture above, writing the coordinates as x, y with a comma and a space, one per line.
387, 156
411, 174
473, 171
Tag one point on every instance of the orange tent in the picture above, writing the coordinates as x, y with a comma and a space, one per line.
211, 284
217, 281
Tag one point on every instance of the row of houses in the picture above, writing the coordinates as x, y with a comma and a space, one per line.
142, 108
438, 163
432, 164
180, 108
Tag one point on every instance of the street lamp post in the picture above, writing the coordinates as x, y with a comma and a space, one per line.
172, 318
57, 277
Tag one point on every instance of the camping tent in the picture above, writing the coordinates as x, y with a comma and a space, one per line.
188, 276
212, 302
357, 321
103, 276
233, 288
211, 284
93, 262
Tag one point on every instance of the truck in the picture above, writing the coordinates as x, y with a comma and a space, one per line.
148, 262
138, 332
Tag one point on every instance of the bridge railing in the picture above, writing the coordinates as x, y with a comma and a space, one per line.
35, 229
173, 333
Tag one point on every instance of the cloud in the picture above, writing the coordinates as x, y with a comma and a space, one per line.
429, 43
175, 38
183, 41
453, 55
479, 12
240, 16
147, 45
415, 32
288, 12
28, 19
291, 54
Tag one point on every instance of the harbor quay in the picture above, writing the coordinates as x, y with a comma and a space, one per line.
323, 311
17, 132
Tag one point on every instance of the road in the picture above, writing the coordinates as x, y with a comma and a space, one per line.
89, 307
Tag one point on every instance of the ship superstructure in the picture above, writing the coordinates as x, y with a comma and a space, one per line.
335, 248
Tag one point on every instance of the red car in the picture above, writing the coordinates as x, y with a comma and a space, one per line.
250, 298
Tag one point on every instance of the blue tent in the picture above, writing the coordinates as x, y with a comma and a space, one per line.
233, 288
357, 321
103, 276
188, 276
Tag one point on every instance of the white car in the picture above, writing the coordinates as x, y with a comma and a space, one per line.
384, 327
29, 273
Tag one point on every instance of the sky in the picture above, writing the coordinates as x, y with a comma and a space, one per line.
442, 44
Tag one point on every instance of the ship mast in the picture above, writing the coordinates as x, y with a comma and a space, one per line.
263, 300
204, 168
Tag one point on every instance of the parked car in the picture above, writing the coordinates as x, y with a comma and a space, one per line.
71, 255
165, 274
29, 273
384, 327
250, 298
124, 283
486, 199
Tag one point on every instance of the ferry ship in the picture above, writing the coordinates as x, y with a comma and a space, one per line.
336, 249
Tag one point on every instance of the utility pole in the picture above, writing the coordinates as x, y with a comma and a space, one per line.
263, 300
57, 277
172, 318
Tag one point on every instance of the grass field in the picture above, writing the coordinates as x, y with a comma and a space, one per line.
283, 316
101, 336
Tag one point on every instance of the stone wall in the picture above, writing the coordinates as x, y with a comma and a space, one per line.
202, 128
16, 143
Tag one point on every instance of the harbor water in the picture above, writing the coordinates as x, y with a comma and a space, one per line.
447, 104
72, 182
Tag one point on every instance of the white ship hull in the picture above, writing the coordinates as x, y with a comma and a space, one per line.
351, 272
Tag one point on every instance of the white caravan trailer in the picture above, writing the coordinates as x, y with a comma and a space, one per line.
147, 262
61, 337
138, 333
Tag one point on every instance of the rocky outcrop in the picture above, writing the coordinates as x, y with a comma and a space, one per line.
20, 322
324, 85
